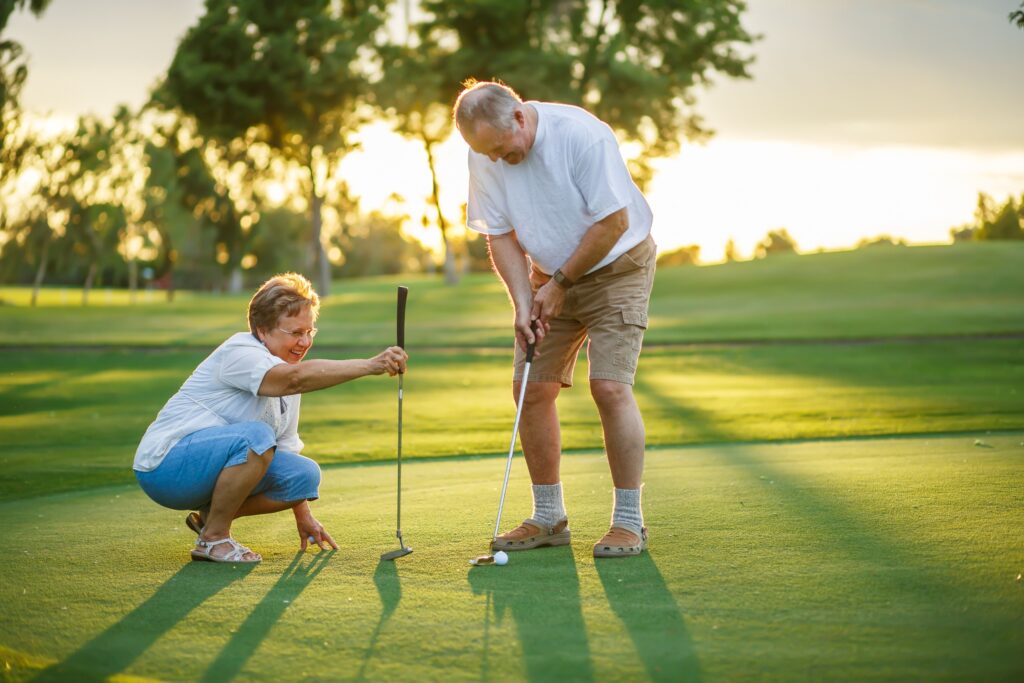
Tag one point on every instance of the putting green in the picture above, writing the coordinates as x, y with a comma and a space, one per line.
883, 559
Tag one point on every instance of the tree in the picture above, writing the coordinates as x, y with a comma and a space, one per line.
93, 221
290, 75
1017, 16
13, 73
70, 216
635, 65
730, 251
416, 94
34, 221
376, 246
12, 69
683, 256
1003, 223
777, 241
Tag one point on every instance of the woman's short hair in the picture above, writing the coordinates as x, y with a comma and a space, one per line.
485, 101
286, 294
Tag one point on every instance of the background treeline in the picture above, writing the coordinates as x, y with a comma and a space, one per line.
993, 221
231, 169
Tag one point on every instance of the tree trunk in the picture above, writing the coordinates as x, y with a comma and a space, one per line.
235, 280
87, 286
451, 273
590, 59
133, 278
320, 265
40, 272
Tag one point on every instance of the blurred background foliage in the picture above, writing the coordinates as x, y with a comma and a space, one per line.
230, 172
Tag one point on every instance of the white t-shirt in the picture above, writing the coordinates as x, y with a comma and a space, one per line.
572, 177
222, 390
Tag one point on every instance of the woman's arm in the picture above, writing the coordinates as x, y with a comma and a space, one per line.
287, 379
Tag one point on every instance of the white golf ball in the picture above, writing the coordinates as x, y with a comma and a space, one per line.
501, 557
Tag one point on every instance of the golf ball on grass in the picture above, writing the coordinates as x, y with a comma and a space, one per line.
497, 558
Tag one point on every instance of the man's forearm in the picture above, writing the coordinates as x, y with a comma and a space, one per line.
595, 245
511, 265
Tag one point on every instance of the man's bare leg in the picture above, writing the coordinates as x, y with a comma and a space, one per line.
539, 431
623, 431
542, 449
624, 442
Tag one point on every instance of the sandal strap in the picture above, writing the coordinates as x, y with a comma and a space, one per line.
238, 550
557, 527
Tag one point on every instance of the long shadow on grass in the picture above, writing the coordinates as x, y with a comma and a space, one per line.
637, 593
912, 581
257, 625
542, 593
116, 648
911, 386
390, 590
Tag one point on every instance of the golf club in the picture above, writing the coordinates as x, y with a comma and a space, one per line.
489, 559
403, 550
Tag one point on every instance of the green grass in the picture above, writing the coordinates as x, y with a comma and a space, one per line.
804, 533
892, 559
461, 403
961, 289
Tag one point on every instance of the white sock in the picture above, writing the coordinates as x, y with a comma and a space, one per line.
627, 513
548, 508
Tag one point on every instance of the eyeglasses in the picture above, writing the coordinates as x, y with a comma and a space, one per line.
299, 334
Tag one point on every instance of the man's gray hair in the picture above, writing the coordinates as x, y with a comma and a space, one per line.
487, 101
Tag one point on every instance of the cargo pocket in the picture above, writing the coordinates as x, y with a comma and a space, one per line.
627, 351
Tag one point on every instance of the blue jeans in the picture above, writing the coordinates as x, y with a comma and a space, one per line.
186, 477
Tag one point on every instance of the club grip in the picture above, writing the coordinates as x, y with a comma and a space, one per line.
403, 294
530, 347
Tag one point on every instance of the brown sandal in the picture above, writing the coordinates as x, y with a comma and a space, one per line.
532, 534
619, 542
194, 522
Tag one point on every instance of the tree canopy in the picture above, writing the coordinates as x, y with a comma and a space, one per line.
1017, 17
291, 75
635, 65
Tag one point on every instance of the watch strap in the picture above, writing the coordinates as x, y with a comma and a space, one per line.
562, 280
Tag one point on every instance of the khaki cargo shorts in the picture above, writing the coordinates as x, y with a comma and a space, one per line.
607, 307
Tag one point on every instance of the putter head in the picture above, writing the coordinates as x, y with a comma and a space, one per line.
480, 560
395, 554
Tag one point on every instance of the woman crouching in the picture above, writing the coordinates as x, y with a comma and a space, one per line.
226, 445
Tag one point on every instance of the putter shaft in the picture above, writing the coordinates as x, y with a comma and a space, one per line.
403, 550
512, 446
398, 523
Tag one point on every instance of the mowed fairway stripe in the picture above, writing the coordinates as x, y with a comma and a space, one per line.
73, 421
886, 559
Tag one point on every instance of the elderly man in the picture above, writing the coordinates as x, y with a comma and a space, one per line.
569, 235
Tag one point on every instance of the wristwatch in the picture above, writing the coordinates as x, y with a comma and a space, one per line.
560, 278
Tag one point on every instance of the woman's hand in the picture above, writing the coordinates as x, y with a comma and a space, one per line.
312, 531
391, 360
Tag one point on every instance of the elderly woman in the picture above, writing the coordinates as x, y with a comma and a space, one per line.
227, 443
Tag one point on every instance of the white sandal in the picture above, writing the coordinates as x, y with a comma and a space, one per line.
201, 553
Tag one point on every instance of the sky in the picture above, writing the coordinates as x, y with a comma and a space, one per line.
863, 117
